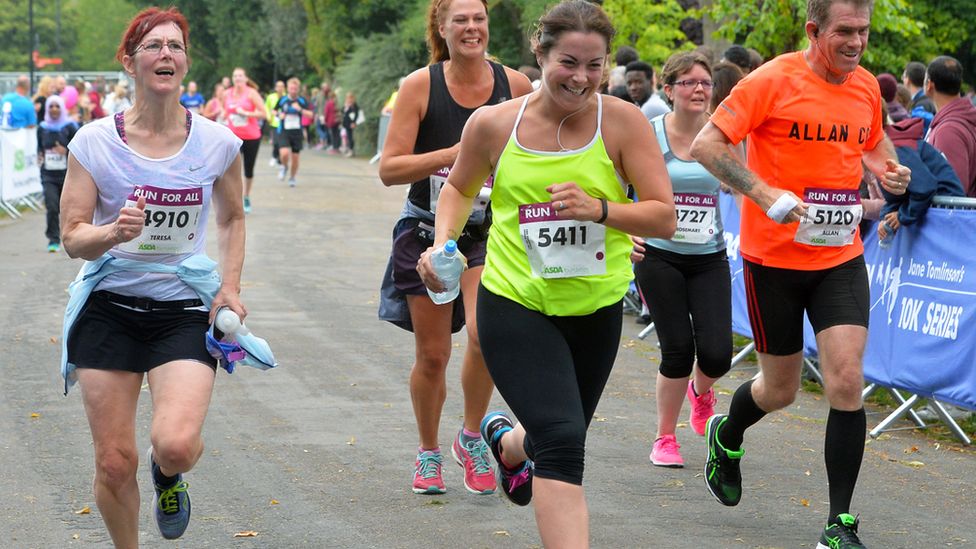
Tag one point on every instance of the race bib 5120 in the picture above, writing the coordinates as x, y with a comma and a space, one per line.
832, 217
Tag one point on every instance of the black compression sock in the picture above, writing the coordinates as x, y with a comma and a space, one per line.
743, 413
843, 452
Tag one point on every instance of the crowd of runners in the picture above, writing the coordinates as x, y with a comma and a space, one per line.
560, 186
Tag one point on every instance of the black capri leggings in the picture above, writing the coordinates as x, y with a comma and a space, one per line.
249, 150
676, 286
551, 372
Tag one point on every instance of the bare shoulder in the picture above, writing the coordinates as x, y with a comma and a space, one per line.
491, 121
518, 82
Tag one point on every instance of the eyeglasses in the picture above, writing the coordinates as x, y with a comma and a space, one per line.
705, 84
155, 47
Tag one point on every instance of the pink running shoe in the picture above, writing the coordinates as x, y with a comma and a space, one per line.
473, 458
427, 477
702, 407
665, 452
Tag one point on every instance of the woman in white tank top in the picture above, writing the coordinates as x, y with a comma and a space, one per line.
138, 189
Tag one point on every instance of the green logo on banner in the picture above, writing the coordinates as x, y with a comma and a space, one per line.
19, 163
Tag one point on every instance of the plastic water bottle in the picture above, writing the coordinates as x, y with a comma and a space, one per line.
228, 322
885, 242
448, 267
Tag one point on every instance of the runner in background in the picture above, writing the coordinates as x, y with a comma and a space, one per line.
421, 146
53, 135
192, 99
243, 109
685, 279
270, 103
289, 111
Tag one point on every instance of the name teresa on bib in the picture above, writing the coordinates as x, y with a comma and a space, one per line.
172, 217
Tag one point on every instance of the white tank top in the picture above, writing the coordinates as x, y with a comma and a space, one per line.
177, 222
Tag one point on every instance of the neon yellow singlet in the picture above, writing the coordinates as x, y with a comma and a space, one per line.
554, 266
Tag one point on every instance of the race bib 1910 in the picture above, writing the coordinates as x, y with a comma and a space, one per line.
171, 220
439, 178
696, 218
561, 248
832, 217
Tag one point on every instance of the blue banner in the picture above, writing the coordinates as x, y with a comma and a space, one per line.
923, 308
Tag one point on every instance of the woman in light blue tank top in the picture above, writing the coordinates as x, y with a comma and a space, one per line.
685, 279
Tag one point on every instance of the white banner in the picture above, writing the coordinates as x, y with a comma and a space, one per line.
20, 174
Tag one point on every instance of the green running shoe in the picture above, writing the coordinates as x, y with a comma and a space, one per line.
841, 533
171, 507
722, 474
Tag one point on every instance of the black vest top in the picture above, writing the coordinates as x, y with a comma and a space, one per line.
442, 125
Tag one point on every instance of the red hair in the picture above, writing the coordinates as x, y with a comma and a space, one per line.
145, 21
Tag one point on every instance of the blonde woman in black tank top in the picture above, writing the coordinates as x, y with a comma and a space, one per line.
432, 106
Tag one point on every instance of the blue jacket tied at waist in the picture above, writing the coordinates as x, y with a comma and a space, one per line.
199, 272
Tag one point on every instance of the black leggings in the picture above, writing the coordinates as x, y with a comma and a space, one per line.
551, 372
676, 286
249, 150
53, 186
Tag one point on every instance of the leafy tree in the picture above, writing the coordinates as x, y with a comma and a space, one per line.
16, 45
99, 24
333, 25
652, 27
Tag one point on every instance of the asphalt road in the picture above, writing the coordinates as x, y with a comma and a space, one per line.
319, 452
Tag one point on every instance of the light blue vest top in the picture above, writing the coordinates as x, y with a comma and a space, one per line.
688, 176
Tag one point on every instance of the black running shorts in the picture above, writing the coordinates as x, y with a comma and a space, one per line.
777, 299
107, 336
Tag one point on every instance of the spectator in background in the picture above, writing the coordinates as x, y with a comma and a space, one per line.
53, 135
270, 104
318, 105
738, 56
45, 89
118, 100
533, 74
953, 129
350, 117
931, 176
193, 100
889, 92
755, 59
214, 108
333, 123
618, 80
60, 83
904, 98
641, 85
94, 92
914, 79
725, 76
16, 108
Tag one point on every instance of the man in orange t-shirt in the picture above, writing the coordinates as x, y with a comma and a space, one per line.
812, 118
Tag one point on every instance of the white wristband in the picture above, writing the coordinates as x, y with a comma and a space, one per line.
783, 206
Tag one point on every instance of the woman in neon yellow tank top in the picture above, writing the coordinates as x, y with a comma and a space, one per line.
557, 267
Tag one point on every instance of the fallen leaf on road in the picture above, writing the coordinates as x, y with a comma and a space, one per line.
35, 415
807, 473
86, 510
351, 441
600, 419
805, 502
914, 464
501, 533
76, 536
274, 502
54, 339
246, 534
911, 450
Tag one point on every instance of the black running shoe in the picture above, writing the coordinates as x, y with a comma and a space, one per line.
516, 483
841, 533
722, 474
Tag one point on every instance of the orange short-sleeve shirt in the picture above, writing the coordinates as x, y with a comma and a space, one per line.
804, 133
